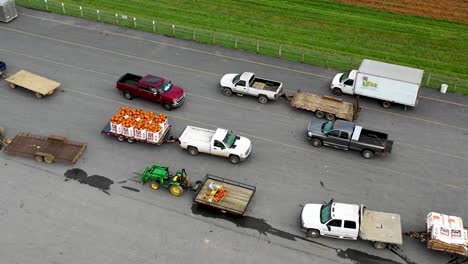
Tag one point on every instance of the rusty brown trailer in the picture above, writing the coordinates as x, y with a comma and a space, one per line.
324, 106
48, 149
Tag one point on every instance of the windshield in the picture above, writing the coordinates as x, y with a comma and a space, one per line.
344, 76
326, 127
229, 139
165, 87
325, 213
236, 79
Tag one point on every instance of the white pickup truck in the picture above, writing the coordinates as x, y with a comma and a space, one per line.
248, 83
350, 221
219, 142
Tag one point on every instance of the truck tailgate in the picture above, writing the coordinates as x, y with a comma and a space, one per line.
381, 227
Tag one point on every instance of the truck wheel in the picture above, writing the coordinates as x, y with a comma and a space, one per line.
313, 233
329, 116
379, 245
319, 114
130, 140
316, 142
176, 190
128, 95
234, 159
153, 184
120, 138
12, 85
367, 153
337, 91
39, 158
262, 99
49, 160
386, 104
167, 106
192, 151
227, 92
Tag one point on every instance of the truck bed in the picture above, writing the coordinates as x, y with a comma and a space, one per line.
263, 84
197, 134
129, 79
25, 144
327, 104
33, 82
381, 227
236, 200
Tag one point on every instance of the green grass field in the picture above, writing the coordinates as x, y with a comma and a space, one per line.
437, 46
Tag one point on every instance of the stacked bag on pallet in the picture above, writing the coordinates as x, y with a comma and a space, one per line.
139, 124
446, 233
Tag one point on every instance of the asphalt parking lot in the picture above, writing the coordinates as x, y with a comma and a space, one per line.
46, 219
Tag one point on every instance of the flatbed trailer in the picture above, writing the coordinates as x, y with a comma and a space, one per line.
380, 227
48, 149
236, 200
165, 138
41, 86
324, 106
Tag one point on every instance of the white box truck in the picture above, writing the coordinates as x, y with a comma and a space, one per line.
387, 82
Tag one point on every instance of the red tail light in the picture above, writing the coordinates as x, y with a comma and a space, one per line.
383, 150
178, 141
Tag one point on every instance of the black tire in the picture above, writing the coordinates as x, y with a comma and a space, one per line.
227, 91
120, 138
176, 190
316, 142
128, 95
319, 114
262, 99
313, 233
379, 245
12, 85
130, 140
234, 159
337, 91
39, 158
38, 95
192, 151
386, 104
153, 184
49, 160
167, 106
367, 154
329, 116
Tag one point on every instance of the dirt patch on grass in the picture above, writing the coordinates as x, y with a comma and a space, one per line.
456, 10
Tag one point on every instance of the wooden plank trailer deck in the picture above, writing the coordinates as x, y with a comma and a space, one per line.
48, 149
41, 86
225, 195
324, 106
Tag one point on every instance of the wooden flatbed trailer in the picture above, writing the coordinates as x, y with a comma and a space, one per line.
236, 199
324, 106
39, 85
48, 149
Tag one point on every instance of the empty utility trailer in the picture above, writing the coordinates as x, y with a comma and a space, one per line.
7, 10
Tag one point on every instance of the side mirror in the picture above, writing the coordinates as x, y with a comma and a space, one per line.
170, 82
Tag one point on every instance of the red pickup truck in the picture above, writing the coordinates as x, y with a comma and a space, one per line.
152, 88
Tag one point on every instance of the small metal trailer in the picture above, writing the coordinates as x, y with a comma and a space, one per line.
324, 106
223, 194
48, 149
39, 85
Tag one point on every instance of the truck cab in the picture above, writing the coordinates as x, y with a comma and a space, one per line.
344, 83
332, 219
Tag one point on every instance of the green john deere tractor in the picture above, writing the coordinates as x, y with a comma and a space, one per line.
159, 175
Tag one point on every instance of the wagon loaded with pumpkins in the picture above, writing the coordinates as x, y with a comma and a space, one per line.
132, 125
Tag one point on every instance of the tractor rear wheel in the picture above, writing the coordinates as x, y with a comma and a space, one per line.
153, 184
176, 190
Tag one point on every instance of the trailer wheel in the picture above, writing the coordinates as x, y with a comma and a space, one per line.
262, 99
367, 153
130, 140
39, 158
12, 85
234, 159
2, 131
379, 245
329, 116
38, 95
176, 190
313, 233
192, 151
49, 159
337, 91
120, 138
128, 95
316, 142
167, 106
153, 184
227, 92
386, 104
319, 114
